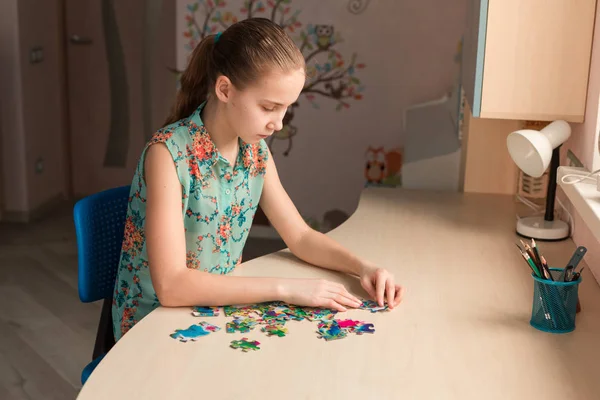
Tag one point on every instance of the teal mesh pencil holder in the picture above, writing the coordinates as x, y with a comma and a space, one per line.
554, 303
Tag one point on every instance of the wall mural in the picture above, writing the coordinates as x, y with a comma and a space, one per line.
383, 167
358, 6
330, 75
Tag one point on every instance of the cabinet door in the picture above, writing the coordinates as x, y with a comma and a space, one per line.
529, 59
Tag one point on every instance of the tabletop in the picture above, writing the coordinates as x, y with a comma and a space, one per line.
461, 332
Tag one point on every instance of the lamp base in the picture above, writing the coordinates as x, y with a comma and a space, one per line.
540, 229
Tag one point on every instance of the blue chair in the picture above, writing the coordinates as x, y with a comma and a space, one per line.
99, 227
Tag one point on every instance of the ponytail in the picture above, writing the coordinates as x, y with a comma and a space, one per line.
195, 81
244, 51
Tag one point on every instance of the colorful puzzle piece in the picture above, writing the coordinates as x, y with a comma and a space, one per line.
296, 313
372, 306
209, 327
348, 323
245, 345
199, 311
275, 330
330, 330
241, 324
193, 332
364, 328
338, 329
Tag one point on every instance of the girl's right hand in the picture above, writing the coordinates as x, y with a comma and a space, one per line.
317, 293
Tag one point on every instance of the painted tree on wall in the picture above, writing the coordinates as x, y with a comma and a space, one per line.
330, 75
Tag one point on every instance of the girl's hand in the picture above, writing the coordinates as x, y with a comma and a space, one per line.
317, 293
380, 285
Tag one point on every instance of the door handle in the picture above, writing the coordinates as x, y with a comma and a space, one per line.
76, 39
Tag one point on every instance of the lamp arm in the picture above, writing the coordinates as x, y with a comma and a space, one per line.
551, 192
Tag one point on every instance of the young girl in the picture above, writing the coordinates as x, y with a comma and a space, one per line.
198, 184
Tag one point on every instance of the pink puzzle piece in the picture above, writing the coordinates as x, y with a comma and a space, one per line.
348, 323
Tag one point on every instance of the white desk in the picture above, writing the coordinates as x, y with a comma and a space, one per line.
462, 331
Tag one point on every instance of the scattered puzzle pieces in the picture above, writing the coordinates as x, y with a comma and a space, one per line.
198, 311
245, 345
193, 332
273, 317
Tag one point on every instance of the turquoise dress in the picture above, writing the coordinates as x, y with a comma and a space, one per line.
218, 204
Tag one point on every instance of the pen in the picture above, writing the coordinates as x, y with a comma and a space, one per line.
576, 275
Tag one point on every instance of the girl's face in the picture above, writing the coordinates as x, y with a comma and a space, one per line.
257, 112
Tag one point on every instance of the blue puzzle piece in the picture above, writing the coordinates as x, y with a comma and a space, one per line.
364, 328
198, 311
331, 331
373, 306
191, 333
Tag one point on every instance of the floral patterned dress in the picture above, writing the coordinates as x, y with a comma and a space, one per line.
218, 205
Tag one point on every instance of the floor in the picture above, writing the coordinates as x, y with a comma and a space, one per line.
46, 333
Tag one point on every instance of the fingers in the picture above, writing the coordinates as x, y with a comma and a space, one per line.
390, 291
367, 284
346, 300
380, 287
335, 305
344, 292
342, 296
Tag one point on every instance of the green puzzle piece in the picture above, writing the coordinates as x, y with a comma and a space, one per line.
245, 345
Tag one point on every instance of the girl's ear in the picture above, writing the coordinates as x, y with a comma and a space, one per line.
223, 88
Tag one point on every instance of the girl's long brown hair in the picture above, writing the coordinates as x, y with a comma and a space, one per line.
243, 52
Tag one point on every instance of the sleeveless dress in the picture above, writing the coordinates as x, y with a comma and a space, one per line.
218, 204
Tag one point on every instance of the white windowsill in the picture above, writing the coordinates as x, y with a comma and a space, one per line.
583, 196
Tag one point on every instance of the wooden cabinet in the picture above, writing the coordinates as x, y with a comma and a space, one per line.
528, 59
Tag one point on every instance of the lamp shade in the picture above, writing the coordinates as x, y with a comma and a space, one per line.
531, 150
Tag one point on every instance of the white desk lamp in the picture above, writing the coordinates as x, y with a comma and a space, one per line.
533, 151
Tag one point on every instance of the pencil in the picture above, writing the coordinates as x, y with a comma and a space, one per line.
529, 262
542, 262
530, 253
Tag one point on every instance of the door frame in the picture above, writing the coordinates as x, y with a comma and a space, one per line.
68, 163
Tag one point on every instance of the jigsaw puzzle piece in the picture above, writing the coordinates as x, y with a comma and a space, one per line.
245, 345
275, 330
241, 324
372, 306
191, 333
364, 328
330, 330
198, 311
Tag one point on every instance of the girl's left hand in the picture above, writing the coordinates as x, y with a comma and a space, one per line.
379, 284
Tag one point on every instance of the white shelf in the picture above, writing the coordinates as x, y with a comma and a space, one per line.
584, 197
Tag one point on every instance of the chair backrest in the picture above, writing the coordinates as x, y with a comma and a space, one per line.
99, 227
